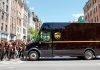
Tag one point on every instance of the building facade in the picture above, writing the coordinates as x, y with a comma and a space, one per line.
4, 18
36, 21
92, 11
13, 20
25, 21
19, 19
33, 27
14, 17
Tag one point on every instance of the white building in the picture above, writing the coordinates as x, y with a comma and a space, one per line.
31, 23
25, 21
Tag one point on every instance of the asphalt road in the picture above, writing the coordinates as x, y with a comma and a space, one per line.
54, 64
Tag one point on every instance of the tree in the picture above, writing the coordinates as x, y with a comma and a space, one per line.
35, 34
81, 19
32, 34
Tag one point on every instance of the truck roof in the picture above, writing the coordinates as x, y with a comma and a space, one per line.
62, 25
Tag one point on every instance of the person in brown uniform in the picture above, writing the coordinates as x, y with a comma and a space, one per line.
6, 49
14, 49
21, 48
10, 50
2, 49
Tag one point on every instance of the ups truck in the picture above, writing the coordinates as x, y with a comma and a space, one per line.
66, 39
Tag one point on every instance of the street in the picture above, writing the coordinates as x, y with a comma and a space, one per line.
56, 64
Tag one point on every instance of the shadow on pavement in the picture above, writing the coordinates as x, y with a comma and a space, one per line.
60, 59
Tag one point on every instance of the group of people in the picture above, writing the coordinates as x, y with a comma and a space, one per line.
12, 49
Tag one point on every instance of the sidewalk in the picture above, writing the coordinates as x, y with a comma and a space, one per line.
12, 61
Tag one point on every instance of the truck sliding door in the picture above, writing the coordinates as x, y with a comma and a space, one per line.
46, 44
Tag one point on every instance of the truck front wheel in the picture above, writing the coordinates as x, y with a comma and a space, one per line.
33, 55
88, 55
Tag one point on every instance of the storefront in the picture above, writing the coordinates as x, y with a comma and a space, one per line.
12, 37
3, 36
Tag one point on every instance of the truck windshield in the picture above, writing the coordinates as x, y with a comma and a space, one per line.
43, 36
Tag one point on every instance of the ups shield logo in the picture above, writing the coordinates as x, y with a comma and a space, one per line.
57, 35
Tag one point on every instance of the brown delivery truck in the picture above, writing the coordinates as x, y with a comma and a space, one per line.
66, 39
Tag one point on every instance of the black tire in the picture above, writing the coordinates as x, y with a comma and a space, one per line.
33, 55
88, 55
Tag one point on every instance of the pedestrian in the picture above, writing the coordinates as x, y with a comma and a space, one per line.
21, 47
6, 50
2, 48
10, 50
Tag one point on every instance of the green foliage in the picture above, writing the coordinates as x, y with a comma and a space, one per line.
35, 34
32, 34
81, 19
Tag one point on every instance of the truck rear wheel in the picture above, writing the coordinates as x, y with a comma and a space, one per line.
33, 55
88, 55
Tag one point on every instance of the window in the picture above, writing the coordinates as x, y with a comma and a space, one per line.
96, 8
2, 15
19, 14
6, 28
18, 29
1, 26
12, 24
91, 20
94, 1
97, 18
91, 13
3, 5
6, 8
25, 21
86, 17
6, 17
99, 6
90, 5
45, 36
19, 21
7, 1
24, 37
0, 6
24, 31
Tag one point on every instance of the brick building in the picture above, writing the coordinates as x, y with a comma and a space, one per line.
92, 11
4, 18
14, 17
